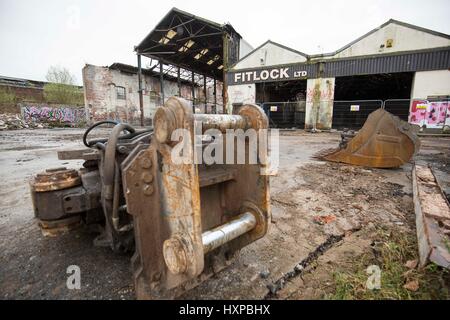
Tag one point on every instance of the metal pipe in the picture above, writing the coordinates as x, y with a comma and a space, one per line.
110, 159
217, 237
193, 92
205, 93
141, 97
179, 81
215, 96
161, 80
116, 195
221, 121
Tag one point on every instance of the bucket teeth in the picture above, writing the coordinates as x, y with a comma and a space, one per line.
322, 154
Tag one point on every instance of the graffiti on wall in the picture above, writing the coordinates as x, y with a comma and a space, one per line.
63, 114
430, 114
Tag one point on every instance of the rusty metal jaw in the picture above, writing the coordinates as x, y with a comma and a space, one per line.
59, 200
191, 220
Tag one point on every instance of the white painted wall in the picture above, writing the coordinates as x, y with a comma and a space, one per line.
430, 83
269, 55
404, 39
243, 93
244, 48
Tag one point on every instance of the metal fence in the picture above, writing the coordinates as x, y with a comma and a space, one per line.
429, 114
285, 114
398, 107
353, 113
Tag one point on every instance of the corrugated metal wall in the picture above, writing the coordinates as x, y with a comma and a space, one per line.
419, 61
436, 59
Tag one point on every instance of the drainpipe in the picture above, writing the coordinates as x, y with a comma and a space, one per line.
215, 96
225, 70
161, 81
193, 92
205, 93
141, 97
179, 81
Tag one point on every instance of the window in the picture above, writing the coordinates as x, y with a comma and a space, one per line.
120, 93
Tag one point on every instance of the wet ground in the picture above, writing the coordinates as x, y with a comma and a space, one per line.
304, 192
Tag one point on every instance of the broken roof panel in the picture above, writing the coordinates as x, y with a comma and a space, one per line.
169, 73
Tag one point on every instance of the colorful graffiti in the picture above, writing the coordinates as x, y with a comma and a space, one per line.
432, 115
63, 114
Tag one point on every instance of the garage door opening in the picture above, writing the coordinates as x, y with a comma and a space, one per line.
284, 102
355, 97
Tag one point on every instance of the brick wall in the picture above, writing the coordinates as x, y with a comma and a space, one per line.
102, 101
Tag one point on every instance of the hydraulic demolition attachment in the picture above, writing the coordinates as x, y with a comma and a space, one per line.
185, 220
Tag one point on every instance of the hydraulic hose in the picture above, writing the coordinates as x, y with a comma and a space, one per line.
110, 158
94, 142
85, 142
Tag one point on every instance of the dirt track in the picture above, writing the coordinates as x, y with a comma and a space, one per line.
35, 267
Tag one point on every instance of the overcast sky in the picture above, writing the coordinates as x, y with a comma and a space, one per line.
39, 33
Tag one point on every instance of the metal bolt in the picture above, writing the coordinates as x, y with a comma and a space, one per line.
175, 255
147, 177
146, 163
148, 189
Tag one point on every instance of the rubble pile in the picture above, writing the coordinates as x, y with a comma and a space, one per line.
9, 121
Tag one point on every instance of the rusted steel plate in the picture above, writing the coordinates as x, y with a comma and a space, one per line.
210, 177
191, 220
55, 179
57, 227
84, 154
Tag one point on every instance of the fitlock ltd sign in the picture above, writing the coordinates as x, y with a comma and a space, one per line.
262, 75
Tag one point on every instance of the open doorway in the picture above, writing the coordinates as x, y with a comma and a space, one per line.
284, 102
355, 97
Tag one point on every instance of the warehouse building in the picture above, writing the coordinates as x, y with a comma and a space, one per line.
401, 67
112, 93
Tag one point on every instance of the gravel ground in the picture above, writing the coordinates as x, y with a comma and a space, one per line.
304, 191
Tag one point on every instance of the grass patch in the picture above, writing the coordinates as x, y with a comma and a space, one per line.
390, 251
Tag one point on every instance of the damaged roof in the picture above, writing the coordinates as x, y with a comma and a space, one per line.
126, 68
189, 42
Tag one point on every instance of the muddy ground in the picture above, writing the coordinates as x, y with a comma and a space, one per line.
353, 201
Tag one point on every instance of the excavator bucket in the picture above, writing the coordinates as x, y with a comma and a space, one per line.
385, 141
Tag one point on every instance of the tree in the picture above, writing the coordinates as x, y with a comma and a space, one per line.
60, 75
7, 96
61, 87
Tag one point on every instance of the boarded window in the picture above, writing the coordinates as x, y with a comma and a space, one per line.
120, 93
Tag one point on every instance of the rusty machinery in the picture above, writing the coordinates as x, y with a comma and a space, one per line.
184, 221
384, 141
